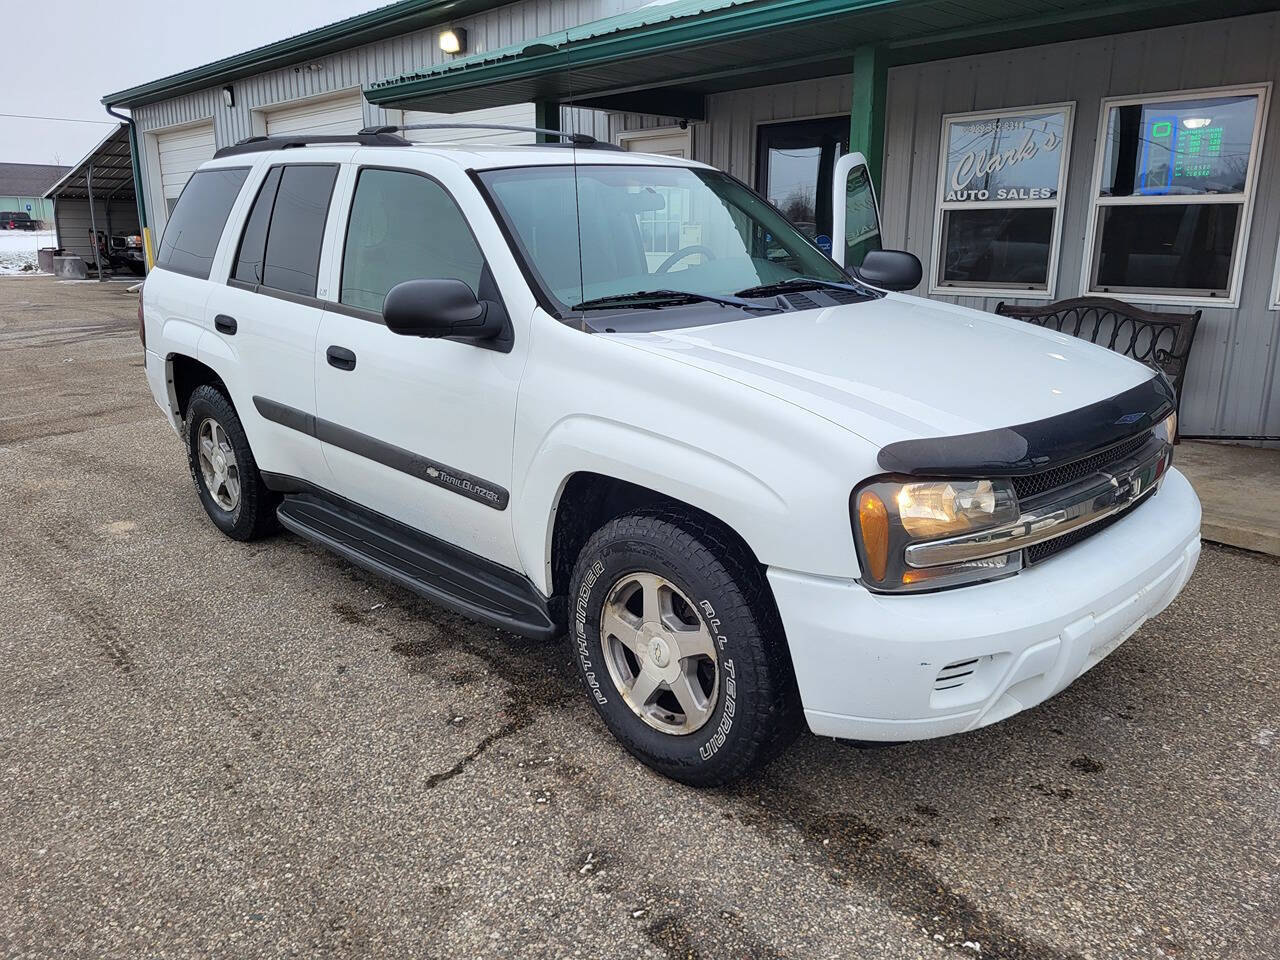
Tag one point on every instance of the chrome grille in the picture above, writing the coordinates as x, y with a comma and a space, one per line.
1034, 484
1043, 551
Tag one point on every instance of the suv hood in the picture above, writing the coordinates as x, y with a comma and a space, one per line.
900, 368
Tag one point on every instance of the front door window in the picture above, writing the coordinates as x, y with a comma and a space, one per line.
794, 166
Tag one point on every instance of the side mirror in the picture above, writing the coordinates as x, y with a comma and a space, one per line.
440, 308
890, 270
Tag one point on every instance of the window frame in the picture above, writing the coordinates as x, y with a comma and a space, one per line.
344, 226
940, 207
1244, 200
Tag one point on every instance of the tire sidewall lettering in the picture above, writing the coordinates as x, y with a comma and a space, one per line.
728, 682
581, 642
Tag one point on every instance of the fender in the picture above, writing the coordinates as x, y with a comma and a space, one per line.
578, 443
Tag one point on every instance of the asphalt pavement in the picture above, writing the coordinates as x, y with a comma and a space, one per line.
209, 748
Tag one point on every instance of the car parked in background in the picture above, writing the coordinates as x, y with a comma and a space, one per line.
751, 487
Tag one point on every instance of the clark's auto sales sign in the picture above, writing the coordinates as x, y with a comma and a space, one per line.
1005, 157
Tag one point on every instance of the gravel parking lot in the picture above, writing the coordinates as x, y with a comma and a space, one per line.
212, 748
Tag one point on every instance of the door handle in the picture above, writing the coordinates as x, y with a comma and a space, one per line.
224, 324
341, 357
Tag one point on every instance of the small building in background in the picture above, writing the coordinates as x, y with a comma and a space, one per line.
22, 189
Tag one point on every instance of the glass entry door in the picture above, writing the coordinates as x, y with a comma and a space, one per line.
795, 165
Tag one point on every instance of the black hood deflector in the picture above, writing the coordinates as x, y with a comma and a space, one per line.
1039, 445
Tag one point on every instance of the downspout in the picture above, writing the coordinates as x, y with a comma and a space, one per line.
134, 155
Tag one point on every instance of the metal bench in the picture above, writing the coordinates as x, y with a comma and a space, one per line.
1160, 340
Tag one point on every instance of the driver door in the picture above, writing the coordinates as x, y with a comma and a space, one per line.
855, 211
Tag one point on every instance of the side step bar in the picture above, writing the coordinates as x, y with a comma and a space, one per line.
438, 571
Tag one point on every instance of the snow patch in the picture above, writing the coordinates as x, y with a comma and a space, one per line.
18, 249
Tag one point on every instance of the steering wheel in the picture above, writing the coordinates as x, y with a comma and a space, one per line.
683, 252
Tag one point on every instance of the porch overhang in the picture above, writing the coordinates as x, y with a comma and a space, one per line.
666, 58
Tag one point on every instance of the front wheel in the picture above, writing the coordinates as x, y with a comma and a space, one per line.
678, 642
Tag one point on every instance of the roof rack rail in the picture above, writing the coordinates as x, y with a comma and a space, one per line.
376, 137
574, 139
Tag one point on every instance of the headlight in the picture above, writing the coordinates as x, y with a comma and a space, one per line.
889, 515
1168, 427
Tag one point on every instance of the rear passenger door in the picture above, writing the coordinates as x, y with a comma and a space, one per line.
417, 429
269, 314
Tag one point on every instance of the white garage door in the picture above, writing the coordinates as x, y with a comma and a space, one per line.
332, 116
181, 151
521, 114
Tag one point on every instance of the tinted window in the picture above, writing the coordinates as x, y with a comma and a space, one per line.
404, 227
292, 259
1171, 246
1000, 247
191, 238
253, 245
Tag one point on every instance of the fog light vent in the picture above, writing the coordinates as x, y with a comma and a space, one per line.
955, 674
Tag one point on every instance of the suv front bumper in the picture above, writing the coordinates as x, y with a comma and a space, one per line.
879, 667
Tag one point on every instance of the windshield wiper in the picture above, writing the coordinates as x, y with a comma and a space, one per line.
797, 283
656, 299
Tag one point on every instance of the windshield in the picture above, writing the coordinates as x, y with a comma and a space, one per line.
646, 228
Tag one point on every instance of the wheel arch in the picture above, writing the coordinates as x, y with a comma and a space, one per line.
183, 374
588, 500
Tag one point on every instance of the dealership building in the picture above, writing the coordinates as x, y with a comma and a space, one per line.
1026, 152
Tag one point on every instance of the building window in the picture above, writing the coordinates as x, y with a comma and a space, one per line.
1172, 194
1001, 177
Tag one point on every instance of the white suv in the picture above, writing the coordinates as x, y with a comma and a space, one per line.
564, 388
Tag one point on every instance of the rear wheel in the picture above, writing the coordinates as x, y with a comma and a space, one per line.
678, 642
222, 465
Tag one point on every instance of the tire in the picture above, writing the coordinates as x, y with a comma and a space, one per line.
251, 513
747, 711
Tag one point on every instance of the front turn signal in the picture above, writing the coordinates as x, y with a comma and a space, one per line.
873, 518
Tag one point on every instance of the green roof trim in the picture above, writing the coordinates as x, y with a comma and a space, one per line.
391, 20
698, 47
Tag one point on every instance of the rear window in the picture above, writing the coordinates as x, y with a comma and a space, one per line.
191, 237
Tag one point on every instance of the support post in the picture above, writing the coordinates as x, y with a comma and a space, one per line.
546, 115
93, 221
866, 113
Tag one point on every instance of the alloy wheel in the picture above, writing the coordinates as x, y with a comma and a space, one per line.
660, 653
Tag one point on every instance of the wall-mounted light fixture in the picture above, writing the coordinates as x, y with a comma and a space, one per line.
454, 40
229, 97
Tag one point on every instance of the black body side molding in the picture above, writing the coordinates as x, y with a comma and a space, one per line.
388, 454
441, 572
1039, 445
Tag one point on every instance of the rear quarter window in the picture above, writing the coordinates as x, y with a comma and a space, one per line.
191, 238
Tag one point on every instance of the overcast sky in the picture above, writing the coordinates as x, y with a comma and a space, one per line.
60, 64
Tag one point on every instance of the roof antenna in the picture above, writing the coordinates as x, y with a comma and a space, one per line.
573, 145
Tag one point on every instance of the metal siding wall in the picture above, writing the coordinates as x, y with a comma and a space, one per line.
728, 139
1231, 378
361, 66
